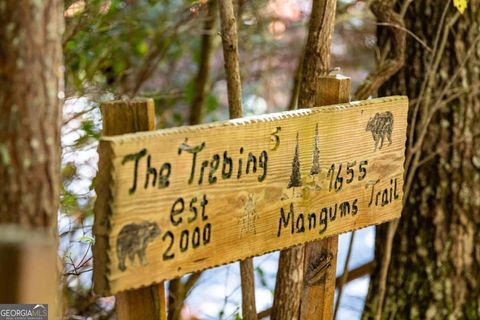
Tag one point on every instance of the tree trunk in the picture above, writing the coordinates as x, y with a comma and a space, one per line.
31, 92
434, 268
231, 57
178, 290
31, 82
234, 90
203, 75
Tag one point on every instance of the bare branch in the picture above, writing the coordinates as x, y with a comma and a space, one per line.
231, 57
205, 64
344, 277
383, 10
234, 88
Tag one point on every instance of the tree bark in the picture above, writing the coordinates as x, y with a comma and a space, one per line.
204, 64
177, 290
31, 94
31, 82
234, 88
434, 266
289, 284
293, 103
231, 57
316, 61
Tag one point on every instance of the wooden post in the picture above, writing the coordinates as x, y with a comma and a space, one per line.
315, 64
28, 267
121, 117
321, 256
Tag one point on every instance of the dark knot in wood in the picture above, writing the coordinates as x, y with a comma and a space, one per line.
317, 269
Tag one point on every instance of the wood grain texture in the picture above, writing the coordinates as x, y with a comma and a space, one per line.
165, 229
319, 290
333, 89
143, 303
318, 293
120, 117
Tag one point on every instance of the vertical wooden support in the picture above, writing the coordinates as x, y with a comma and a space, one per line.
28, 267
321, 256
121, 117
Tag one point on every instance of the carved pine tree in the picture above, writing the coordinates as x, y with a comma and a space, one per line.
295, 177
316, 155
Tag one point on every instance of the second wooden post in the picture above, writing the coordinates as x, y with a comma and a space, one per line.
321, 256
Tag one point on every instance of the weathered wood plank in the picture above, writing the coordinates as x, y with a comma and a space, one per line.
169, 217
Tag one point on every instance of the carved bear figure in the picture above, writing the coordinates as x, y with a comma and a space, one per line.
133, 240
381, 126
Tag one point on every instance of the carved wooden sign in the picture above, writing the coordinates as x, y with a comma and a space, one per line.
179, 200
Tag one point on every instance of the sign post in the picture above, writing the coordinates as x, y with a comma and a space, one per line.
120, 117
321, 256
180, 200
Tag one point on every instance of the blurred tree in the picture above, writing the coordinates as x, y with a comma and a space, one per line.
432, 271
142, 36
31, 79
31, 94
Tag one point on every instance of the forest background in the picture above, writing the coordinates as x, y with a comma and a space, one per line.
171, 51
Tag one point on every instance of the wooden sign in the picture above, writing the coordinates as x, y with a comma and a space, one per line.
179, 200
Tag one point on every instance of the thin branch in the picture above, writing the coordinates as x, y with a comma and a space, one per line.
344, 277
292, 105
231, 57
384, 12
78, 115
446, 146
161, 45
191, 281
425, 81
363, 270
387, 257
234, 89
413, 35
316, 61
203, 75
437, 105
77, 273
249, 310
